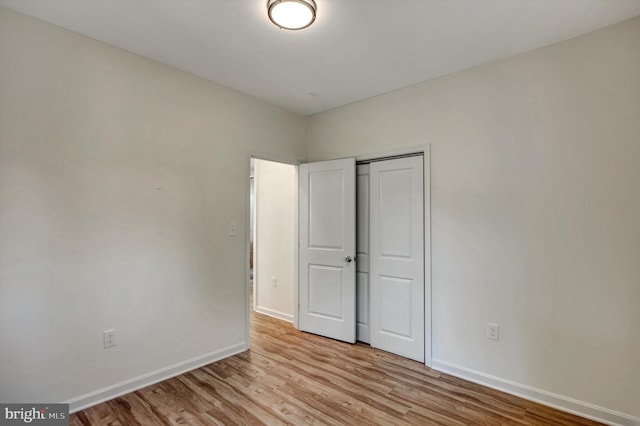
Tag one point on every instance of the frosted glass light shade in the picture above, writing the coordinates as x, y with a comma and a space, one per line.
292, 14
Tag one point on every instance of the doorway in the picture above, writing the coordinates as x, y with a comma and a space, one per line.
272, 237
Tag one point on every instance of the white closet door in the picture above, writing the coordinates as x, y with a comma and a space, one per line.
397, 256
362, 249
327, 289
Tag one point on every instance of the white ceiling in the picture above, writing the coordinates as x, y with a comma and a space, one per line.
356, 48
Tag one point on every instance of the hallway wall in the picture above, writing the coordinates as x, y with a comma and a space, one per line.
276, 210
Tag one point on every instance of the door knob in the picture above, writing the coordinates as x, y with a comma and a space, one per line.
348, 259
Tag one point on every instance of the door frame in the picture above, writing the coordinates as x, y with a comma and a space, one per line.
247, 209
428, 307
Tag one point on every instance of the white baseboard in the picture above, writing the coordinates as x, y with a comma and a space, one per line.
275, 314
131, 385
580, 408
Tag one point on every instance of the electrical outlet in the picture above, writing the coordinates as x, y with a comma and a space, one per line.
233, 229
493, 331
109, 338
274, 282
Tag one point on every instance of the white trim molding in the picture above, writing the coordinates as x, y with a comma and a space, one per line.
428, 306
274, 313
131, 385
573, 406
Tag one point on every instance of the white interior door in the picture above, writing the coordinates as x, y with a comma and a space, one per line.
327, 292
362, 250
397, 256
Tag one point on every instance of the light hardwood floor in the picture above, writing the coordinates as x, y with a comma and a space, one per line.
290, 377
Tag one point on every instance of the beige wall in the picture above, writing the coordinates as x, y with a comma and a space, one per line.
276, 211
119, 177
535, 210
118, 180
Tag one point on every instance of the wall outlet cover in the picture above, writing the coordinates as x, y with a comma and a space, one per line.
109, 338
493, 331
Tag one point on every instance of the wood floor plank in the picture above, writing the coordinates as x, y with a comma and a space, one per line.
349, 384
294, 378
237, 398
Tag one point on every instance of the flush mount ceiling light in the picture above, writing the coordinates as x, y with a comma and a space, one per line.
292, 14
